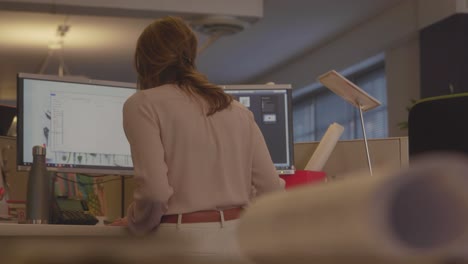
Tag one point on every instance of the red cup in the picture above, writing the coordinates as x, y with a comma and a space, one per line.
303, 177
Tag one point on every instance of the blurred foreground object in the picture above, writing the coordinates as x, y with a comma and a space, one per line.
417, 215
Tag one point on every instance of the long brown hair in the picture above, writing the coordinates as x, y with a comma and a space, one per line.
165, 53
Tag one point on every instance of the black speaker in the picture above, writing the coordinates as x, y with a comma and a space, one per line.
439, 124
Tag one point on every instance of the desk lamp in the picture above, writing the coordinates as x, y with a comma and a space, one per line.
353, 95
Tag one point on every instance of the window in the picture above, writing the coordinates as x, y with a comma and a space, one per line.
314, 112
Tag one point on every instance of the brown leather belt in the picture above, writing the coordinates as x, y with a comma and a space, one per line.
204, 216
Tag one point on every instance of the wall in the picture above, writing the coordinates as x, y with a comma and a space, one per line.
354, 46
394, 32
431, 11
402, 71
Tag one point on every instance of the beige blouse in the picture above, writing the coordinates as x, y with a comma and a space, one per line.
186, 161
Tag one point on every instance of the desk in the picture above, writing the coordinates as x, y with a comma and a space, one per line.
30, 230
28, 243
78, 244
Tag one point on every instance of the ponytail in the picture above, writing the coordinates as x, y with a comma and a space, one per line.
214, 95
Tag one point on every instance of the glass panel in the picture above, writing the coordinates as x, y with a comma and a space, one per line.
376, 120
313, 115
303, 120
332, 108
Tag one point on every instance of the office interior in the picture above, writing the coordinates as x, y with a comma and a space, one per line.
274, 41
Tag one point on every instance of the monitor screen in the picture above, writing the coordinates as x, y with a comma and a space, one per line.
78, 120
271, 107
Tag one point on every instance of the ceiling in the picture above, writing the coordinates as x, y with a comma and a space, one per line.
102, 47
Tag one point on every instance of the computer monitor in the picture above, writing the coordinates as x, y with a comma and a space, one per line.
78, 120
271, 107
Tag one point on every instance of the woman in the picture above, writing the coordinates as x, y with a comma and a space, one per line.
197, 154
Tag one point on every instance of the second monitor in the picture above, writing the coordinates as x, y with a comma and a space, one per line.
271, 107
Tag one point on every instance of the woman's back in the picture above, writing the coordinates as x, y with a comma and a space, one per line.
197, 154
211, 162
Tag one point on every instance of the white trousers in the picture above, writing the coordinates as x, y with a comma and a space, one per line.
202, 242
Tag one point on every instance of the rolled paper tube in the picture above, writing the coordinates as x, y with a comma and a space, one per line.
416, 215
325, 148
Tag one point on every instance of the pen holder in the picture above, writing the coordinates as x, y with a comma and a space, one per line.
302, 177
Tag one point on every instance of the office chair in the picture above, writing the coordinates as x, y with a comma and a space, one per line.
439, 124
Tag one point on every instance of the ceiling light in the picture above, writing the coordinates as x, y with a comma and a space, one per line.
55, 44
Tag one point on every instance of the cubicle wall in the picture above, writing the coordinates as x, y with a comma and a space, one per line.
17, 180
350, 155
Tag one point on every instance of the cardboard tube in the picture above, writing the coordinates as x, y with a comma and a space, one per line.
325, 148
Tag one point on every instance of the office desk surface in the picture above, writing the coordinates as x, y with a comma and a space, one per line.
74, 244
14, 229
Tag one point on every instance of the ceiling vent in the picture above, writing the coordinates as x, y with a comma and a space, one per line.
213, 25
217, 26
